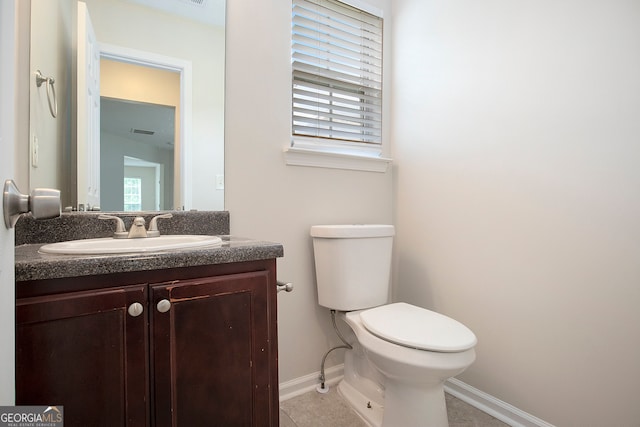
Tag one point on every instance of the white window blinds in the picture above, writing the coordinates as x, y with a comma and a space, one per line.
337, 72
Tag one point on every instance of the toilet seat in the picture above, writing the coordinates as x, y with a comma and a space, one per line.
419, 328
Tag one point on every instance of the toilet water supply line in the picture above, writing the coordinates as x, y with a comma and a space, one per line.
322, 388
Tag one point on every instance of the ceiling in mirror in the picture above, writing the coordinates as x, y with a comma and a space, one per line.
138, 121
210, 12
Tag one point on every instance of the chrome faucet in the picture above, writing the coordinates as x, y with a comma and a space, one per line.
153, 225
137, 229
121, 231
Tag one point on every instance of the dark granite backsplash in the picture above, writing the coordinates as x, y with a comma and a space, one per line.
86, 225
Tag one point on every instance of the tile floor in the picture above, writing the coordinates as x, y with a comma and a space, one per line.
313, 409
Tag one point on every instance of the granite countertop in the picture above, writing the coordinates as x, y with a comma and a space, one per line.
31, 234
33, 265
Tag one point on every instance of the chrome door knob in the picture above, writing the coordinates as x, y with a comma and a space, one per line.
43, 203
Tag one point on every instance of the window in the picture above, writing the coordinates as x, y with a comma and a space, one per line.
337, 78
132, 194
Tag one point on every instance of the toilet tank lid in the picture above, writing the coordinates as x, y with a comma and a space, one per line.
417, 327
352, 231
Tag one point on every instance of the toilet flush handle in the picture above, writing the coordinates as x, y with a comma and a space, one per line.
284, 286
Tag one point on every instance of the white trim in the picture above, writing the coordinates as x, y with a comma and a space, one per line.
493, 406
182, 66
328, 145
305, 157
302, 385
9, 58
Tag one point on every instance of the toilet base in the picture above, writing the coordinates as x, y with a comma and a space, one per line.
411, 406
427, 406
370, 411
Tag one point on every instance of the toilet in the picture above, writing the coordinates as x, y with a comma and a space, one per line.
402, 354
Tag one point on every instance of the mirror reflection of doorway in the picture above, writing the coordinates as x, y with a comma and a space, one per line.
140, 117
143, 185
136, 141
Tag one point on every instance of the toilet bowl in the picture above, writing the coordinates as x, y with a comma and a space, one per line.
413, 391
402, 354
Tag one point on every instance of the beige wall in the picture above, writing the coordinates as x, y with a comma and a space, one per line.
269, 200
50, 52
142, 84
518, 207
23, 83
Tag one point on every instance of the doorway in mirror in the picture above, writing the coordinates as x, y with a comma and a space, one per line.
139, 122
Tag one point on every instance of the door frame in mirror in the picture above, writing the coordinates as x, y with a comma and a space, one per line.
148, 59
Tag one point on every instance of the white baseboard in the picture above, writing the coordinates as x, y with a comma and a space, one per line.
503, 411
301, 385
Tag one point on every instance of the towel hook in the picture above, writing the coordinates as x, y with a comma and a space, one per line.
51, 92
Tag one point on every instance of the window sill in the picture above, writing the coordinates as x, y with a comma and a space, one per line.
321, 159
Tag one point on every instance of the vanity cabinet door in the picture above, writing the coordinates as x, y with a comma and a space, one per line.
86, 352
213, 362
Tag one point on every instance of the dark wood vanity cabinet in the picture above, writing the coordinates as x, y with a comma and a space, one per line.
82, 350
209, 351
203, 352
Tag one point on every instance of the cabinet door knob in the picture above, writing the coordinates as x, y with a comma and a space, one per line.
163, 305
136, 309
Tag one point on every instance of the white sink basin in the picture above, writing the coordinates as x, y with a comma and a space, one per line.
109, 245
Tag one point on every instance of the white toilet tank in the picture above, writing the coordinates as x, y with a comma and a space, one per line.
353, 265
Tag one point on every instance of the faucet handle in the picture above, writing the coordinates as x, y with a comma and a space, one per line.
121, 231
153, 225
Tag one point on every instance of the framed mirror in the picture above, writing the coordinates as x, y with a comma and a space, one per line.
159, 131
